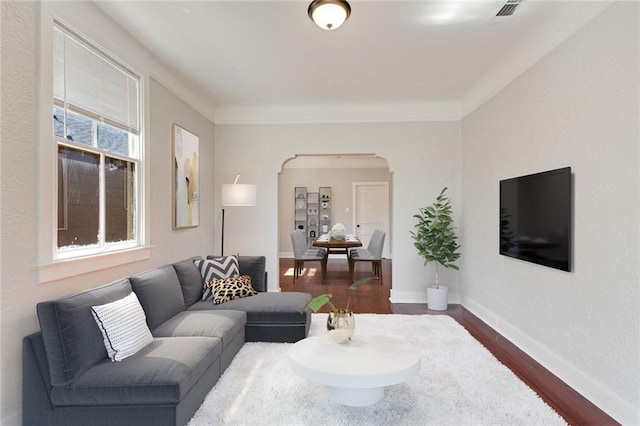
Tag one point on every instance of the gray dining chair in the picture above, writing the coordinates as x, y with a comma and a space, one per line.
302, 254
373, 254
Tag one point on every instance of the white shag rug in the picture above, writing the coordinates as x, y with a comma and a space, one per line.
460, 383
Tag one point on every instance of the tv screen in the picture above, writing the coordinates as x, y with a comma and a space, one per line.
536, 216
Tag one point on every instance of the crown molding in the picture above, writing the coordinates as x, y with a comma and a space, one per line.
351, 113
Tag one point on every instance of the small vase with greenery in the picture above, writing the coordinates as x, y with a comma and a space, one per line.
435, 237
340, 322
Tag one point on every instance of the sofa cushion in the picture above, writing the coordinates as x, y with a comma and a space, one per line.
159, 293
216, 268
70, 335
221, 324
190, 281
123, 326
255, 267
266, 308
161, 373
231, 288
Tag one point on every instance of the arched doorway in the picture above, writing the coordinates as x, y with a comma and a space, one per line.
345, 175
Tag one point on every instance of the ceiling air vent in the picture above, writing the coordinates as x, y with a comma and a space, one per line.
509, 8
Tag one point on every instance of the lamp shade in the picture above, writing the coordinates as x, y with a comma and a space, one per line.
329, 14
238, 194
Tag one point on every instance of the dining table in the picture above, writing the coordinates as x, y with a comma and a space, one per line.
337, 246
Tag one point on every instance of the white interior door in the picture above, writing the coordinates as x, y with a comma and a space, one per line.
371, 211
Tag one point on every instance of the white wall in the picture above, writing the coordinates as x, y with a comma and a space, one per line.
577, 107
19, 176
423, 158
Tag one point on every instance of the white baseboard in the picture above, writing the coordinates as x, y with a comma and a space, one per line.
396, 296
602, 397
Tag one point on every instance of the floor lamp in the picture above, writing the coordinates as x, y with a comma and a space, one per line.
236, 195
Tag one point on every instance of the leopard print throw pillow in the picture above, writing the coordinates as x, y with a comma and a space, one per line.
226, 289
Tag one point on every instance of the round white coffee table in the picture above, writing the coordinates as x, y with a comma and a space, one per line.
355, 373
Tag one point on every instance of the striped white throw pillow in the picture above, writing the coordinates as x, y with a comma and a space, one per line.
215, 269
124, 327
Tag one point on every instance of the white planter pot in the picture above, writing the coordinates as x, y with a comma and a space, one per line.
437, 298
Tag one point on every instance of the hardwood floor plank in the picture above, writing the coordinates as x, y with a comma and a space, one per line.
374, 298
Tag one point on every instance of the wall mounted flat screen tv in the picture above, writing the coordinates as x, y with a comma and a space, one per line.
536, 218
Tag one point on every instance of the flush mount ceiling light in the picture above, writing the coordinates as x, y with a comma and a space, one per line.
329, 14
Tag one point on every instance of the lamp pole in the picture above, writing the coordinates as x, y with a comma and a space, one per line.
222, 244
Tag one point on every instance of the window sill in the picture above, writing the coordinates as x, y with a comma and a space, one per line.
66, 268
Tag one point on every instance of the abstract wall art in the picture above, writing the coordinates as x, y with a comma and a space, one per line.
185, 178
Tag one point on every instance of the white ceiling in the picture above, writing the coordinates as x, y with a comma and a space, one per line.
392, 60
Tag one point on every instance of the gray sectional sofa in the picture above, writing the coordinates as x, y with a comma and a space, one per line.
69, 380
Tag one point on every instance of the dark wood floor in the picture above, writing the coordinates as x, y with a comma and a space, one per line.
374, 298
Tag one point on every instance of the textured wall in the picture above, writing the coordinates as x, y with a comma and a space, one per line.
18, 22
20, 291
577, 107
167, 109
423, 158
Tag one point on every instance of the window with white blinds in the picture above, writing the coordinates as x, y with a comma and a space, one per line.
96, 127
91, 83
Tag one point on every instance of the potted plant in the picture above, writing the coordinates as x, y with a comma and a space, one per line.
436, 241
340, 323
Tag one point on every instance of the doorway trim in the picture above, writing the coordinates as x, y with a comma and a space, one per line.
386, 252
